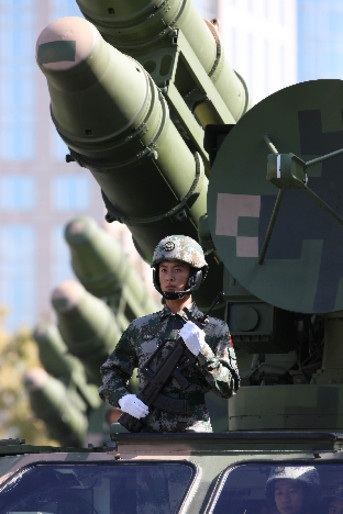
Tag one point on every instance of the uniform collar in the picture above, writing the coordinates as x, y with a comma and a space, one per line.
189, 312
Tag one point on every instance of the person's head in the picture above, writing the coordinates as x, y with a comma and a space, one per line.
181, 259
289, 496
292, 490
173, 276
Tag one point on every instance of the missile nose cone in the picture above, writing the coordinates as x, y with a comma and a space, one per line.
39, 331
76, 227
67, 295
44, 331
64, 43
34, 379
79, 230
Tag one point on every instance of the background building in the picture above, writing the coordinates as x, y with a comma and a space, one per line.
39, 192
271, 43
260, 39
208, 8
320, 39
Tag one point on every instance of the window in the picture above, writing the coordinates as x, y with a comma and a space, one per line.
62, 8
128, 488
61, 267
17, 277
59, 148
17, 39
207, 8
256, 487
71, 192
17, 193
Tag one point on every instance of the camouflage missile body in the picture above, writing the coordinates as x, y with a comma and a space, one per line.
178, 83
60, 393
60, 363
62, 409
144, 29
104, 269
86, 324
118, 126
88, 328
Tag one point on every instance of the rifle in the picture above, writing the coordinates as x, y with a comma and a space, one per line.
150, 394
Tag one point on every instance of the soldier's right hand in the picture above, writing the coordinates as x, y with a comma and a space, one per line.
133, 406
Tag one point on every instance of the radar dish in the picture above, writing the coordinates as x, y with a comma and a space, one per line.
275, 200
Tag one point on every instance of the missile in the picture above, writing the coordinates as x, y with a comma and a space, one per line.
61, 410
87, 326
147, 30
103, 268
116, 122
58, 362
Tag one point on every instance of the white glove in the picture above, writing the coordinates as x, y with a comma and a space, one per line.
193, 337
133, 406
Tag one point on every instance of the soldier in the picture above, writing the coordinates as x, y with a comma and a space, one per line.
179, 267
293, 489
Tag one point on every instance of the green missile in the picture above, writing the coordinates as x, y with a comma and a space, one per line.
116, 122
103, 268
143, 28
53, 352
87, 326
60, 409
59, 363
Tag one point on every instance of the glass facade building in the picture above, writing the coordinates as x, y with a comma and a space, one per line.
260, 41
17, 118
39, 192
320, 39
207, 8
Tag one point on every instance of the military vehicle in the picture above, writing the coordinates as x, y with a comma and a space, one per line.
144, 99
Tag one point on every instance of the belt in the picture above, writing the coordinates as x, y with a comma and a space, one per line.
178, 402
195, 398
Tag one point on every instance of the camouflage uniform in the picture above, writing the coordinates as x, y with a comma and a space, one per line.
215, 369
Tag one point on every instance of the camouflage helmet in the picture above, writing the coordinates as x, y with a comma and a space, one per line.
179, 248
185, 249
306, 475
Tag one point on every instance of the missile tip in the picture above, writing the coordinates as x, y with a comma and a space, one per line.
34, 379
79, 229
67, 295
64, 43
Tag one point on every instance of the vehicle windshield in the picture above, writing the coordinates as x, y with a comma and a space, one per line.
97, 488
280, 488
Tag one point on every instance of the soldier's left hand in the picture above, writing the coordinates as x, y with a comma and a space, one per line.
193, 337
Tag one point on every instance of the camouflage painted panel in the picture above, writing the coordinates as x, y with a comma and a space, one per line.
284, 201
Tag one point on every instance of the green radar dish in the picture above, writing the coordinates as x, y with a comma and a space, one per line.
275, 200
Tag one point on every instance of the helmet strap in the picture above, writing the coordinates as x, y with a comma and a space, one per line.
175, 295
